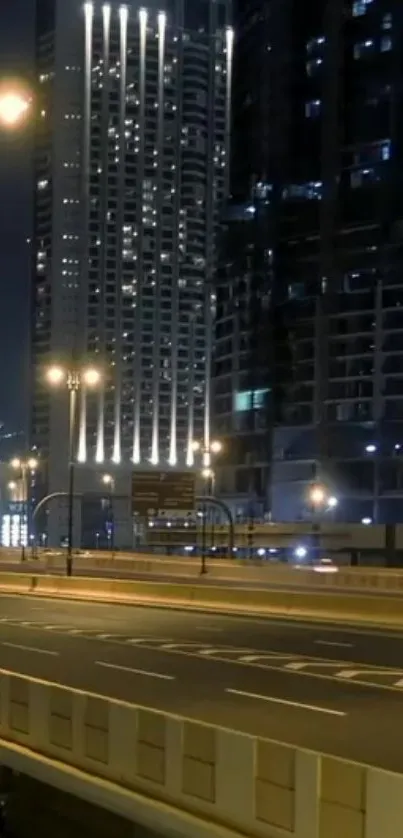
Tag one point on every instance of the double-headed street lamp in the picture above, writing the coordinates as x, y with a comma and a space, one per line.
24, 467
109, 480
207, 451
74, 379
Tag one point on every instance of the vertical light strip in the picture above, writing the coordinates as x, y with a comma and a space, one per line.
117, 442
230, 53
138, 331
86, 156
155, 442
100, 451
209, 244
82, 428
106, 16
176, 264
191, 381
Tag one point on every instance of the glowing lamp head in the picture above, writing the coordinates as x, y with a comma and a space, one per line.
317, 495
15, 463
332, 502
207, 473
107, 479
12, 486
32, 463
216, 446
195, 445
91, 377
56, 375
13, 106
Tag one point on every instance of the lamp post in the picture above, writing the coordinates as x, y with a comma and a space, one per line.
207, 452
108, 480
75, 379
320, 501
24, 467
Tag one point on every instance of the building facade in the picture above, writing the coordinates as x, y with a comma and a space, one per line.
328, 162
131, 167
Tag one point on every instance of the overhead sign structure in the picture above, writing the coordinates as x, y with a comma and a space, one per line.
157, 491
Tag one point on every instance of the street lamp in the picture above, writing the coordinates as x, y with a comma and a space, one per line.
109, 480
74, 379
207, 450
25, 467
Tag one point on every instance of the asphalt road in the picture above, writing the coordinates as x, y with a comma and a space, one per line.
324, 688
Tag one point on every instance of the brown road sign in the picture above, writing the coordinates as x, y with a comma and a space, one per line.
155, 491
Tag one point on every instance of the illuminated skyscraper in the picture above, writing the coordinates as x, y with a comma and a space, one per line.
317, 163
131, 158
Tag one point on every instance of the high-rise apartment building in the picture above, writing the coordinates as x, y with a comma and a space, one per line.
131, 154
318, 151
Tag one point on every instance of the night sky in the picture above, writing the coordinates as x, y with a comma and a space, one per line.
16, 59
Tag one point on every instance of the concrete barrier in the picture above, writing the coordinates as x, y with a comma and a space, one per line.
323, 606
187, 778
263, 573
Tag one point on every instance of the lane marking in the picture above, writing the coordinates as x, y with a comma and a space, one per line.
330, 643
382, 673
31, 649
347, 673
314, 708
159, 675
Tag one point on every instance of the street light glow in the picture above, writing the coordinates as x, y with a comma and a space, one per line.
15, 463
55, 375
13, 106
107, 479
371, 448
91, 377
332, 502
317, 495
216, 446
32, 463
207, 473
195, 445
12, 485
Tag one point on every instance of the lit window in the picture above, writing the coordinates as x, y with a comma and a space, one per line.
312, 108
250, 400
385, 150
386, 43
363, 48
360, 7
387, 21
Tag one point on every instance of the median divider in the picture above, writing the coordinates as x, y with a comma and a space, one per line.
322, 606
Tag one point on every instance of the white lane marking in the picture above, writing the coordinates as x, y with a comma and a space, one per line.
330, 643
31, 649
352, 673
159, 675
295, 666
314, 708
104, 636
249, 658
399, 683
263, 657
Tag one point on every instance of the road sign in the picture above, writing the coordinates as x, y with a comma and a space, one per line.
157, 491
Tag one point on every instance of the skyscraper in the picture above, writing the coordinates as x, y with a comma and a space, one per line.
131, 154
324, 161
